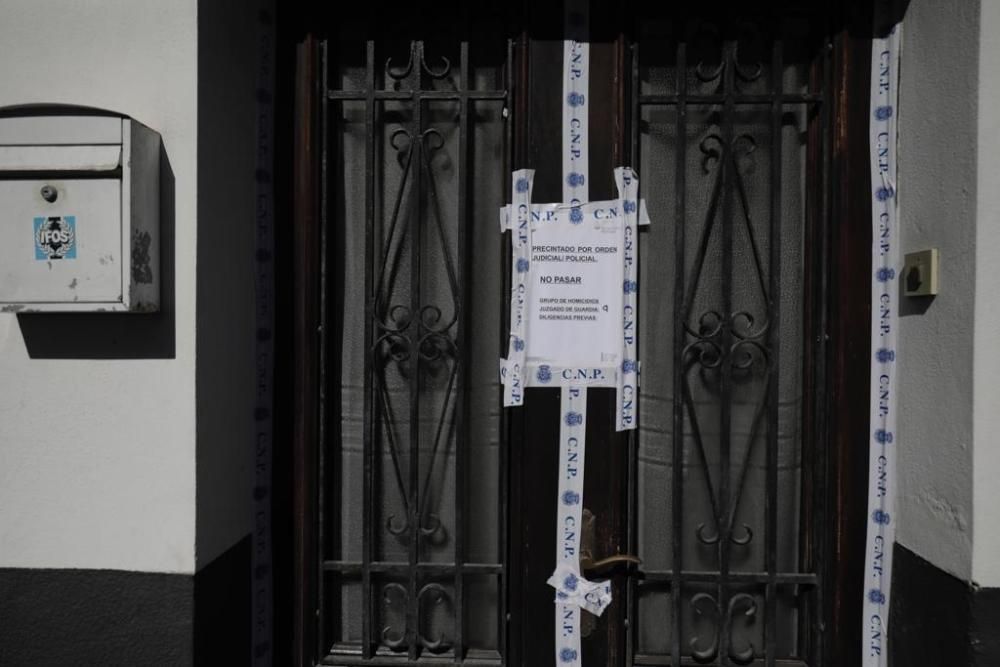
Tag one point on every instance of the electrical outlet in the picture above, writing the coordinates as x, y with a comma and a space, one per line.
920, 273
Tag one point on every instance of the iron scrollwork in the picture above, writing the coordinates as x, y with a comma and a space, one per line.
709, 35
705, 605
419, 339
706, 349
417, 57
396, 598
725, 346
406, 247
430, 334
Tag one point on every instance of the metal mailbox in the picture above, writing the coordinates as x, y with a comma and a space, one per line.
79, 214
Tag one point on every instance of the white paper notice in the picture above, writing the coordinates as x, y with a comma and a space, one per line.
575, 302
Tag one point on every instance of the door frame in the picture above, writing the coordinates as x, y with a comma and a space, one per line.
842, 369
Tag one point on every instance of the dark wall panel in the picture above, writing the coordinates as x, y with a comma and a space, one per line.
113, 617
94, 617
930, 615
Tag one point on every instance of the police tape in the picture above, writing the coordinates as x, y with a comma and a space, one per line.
608, 213
628, 377
573, 415
885, 317
566, 579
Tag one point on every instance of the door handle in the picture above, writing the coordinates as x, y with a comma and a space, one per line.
590, 567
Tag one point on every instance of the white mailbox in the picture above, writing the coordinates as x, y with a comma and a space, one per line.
79, 214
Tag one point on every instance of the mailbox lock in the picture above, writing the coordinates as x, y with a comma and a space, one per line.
49, 193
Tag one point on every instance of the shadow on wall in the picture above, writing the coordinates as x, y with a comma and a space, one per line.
225, 337
912, 305
115, 335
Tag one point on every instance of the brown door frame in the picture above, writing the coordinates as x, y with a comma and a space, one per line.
846, 325
849, 283
305, 353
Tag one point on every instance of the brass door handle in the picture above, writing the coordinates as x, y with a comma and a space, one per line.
589, 566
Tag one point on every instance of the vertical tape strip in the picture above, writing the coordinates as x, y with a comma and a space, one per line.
261, 570
569, 521
573, 421
885, 313
628, 375
514, 368
576, 80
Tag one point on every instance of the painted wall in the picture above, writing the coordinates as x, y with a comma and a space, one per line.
97, 412
986, 425
227, 143
127, 442
937, 189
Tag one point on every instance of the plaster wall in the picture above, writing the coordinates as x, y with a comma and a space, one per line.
97, 415
986, 424
937, 188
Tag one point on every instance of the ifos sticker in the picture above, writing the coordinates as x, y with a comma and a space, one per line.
55, 237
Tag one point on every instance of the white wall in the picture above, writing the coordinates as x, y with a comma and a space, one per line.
937, 186
97, 456
986, 452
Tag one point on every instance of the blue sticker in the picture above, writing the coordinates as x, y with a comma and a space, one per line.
55, 237
883, 194
571, 498
885, 274
567, 655
883, 113
881, 517
885, 355
883, 436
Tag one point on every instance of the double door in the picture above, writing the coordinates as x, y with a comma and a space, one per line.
433, 508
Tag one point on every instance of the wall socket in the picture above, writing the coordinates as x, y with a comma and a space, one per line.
920, 273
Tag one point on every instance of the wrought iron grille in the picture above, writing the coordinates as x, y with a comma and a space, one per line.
413, 531
729, 123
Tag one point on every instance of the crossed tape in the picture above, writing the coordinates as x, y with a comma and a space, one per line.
572, 588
